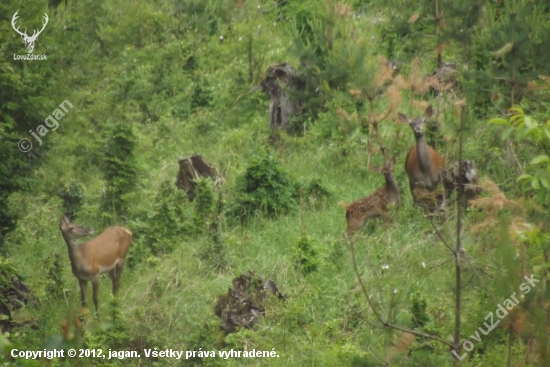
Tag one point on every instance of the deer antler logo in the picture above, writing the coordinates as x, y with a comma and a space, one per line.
29, 41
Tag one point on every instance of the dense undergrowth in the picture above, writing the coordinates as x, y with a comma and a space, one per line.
152, 81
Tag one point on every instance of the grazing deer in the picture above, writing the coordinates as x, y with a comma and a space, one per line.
374, 205
423, 164
105, 253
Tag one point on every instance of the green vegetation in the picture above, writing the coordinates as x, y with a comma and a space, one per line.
154, 80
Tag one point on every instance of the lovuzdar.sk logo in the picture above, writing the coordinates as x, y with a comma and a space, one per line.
29, 40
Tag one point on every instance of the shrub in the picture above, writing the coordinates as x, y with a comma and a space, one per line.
265, 188
169, 222
55, 284
419, 312
119, 166
315, 193
72, 196
306, 255
113, 334
215, 252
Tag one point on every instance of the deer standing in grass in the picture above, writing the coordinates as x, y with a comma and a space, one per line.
376, 204
105, 253
423, 164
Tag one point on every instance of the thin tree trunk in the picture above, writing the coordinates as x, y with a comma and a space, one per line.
458, 249
438, 32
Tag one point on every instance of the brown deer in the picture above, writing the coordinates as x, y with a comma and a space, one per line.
105, 253
423, 164
374, 205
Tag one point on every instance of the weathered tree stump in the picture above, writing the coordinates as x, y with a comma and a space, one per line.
243, 305
445, 78
462, 178
13, 296
192, 168
281, 107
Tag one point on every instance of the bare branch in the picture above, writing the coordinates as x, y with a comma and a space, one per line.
440, 235
382, 321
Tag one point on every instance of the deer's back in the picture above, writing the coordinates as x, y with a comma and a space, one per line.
378, 199
112, 244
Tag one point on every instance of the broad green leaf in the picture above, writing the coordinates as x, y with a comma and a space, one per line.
531, 131
517, 110
546, 132
541, 196
524, 177
507, 133
545, 183
520, 134
529, 122
540, 159
535, 183
499, 121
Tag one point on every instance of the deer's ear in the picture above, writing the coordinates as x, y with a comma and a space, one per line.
403, 118
429, 111
66, 219
392, 162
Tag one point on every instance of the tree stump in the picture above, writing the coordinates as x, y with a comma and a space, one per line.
445, 79
13, 296
462, 177
281, 107
193, 168
242, 306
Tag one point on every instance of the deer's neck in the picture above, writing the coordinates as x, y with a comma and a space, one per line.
422, 150
72, 246
391, 185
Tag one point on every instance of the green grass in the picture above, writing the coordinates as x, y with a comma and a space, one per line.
168, 301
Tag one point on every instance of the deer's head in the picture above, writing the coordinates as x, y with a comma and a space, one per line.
73, 231
418, 122
29, 40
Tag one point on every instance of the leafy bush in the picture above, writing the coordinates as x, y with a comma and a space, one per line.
306, 255
418, 309
168, 223
264, 187
55, 284
329, 59
200, 98
119, 165
525, 129
113, 335
215, 252
315, 193
72, 196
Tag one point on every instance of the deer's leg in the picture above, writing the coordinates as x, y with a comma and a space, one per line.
350, 232
83, 290
352, 226
411, 186
119, 267
385, 217
355, 224
95, 288
112, 275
